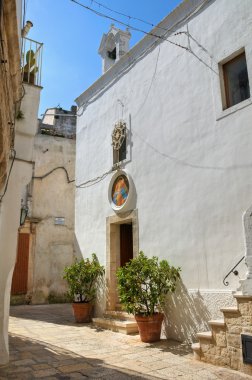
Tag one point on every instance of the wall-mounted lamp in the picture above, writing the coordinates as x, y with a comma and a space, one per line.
23, 214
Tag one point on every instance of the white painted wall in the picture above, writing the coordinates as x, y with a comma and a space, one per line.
48, 117
10, 207
190, 161
53, 245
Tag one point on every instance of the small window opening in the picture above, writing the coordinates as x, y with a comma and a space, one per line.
112, 54
120, 154
236, 83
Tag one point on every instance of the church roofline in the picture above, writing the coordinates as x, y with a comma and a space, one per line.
174, 19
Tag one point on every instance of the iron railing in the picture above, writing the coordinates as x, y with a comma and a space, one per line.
233, 270
31, 61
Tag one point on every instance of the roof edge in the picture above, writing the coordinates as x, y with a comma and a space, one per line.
175, 19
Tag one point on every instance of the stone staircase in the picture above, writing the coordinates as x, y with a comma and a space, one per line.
117, 321
222, 344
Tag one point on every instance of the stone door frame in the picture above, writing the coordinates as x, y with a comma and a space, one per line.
113, 251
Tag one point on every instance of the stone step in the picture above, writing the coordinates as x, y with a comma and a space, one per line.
120, 315
217, 322
196, 350
205, 335
242, 297
124, 327
229, 310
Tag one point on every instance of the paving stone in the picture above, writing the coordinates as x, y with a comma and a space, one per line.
24, 362
45, 343
45, 373
74, 367
37, 367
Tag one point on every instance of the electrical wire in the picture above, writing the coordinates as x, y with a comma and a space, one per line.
53, 170
161, 37
8, 177
94, 181
83, 106
128, 16
100, 178
88, 183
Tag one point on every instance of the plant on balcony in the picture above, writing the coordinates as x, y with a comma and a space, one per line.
82, 278
143, 285
30, 69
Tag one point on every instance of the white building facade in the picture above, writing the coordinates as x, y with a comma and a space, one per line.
21, 126
185, 101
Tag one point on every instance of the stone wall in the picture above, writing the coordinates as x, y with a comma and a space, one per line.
10, 82
52, 197
222, 345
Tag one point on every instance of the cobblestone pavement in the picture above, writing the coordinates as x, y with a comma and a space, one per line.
46, 343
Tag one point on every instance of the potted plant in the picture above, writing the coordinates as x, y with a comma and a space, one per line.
143, 285
82, 277
30, 69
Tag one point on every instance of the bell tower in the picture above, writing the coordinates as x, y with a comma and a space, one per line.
113, 46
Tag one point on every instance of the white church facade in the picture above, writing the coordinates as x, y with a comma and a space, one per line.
163, 161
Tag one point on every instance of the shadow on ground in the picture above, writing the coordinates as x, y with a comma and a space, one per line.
60, 314
172, 346
30, 359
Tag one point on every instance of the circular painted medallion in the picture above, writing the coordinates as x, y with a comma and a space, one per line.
120, 190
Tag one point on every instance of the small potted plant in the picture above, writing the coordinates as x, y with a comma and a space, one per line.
143, 285
82, 277
30, 69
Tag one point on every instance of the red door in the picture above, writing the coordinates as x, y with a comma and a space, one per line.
20, 274
126, 243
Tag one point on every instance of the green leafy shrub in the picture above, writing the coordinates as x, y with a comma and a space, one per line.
144, 282
82, 278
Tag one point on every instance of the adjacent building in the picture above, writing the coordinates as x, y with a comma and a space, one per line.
46, 239
19, 100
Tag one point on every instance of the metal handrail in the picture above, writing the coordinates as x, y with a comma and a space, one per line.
31, 71
235, 272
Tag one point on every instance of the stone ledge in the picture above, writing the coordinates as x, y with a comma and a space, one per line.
121, 315
217, 322
205, 335
232, 310
124, 327
243, 297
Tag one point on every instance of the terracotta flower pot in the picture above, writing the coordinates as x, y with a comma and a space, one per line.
149, 327
82, 312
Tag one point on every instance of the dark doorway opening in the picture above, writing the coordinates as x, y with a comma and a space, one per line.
20, 274
126, 244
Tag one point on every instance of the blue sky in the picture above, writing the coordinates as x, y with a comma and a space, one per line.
71, 37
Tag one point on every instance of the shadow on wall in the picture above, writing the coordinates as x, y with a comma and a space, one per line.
100, 301
185, 315
77, 249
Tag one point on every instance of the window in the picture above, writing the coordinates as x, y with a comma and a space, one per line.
236, 83
112, 54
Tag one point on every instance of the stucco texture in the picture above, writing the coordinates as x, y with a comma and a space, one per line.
52, 197
190, 160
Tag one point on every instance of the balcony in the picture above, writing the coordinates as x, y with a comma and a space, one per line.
31, 61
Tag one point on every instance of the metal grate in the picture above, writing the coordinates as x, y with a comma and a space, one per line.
32, 61
246, 348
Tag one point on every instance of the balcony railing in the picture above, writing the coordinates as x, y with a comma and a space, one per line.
31, 64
